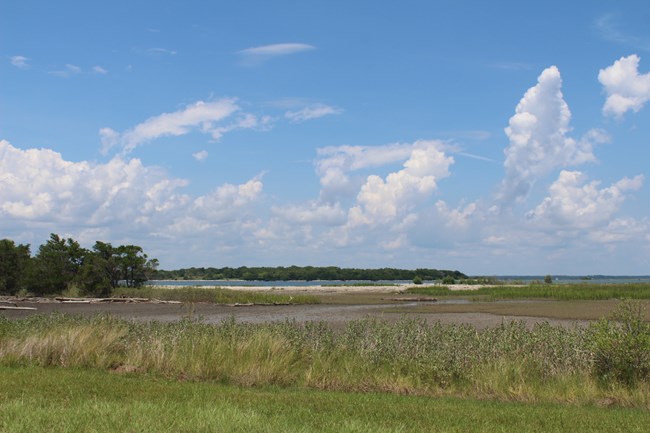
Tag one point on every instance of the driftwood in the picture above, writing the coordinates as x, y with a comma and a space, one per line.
260, 304
64, 300
160, 301
410, 299
13, 304
10, 307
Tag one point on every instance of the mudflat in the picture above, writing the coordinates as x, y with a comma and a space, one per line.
340, 305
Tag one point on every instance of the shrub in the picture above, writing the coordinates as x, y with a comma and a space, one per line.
622, 345
448, 280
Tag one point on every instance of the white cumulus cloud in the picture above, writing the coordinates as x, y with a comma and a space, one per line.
39, 189
39, 185
539, 140
312, 212
625, 87
222, 204
384, 200
622, 230
573, 202
335, 163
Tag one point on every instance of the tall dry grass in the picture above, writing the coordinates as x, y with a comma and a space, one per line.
510, 362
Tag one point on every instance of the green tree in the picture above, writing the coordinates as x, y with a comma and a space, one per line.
57, 265
14, 262
548, 279
110, 257
106, 267
100, 272
133, 265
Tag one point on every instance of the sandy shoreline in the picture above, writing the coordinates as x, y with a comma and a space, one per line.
325, 288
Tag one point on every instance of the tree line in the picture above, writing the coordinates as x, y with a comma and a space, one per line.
62, 264
303, 273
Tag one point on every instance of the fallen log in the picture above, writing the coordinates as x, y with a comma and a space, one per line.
160, 301
65, 300
410, 299
13, 304
259, 304
121, 300
8, 307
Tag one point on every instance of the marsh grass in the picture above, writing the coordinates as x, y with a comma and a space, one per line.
366, 284
215, 295
581, 291
508, 362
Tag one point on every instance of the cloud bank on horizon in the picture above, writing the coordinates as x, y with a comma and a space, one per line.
547, 204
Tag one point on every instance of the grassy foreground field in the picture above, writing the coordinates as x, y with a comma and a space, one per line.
36, 399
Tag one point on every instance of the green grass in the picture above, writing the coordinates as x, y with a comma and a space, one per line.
607, 361
579, 291
544, 309
56, 400
215, 295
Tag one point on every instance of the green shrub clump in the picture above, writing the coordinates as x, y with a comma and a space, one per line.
622, 345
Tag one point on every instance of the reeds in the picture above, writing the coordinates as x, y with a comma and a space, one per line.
217, 295
511, 361
581, 291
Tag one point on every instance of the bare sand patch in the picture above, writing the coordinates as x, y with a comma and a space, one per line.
325, 288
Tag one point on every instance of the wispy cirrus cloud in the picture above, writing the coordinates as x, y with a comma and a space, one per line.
311, 112
156, 52
19, 61
201, 155
512, 66
99, 70
277, 49
610, 30
67, 72
257, 55
199, 116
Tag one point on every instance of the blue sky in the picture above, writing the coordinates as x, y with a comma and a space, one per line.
489, 137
